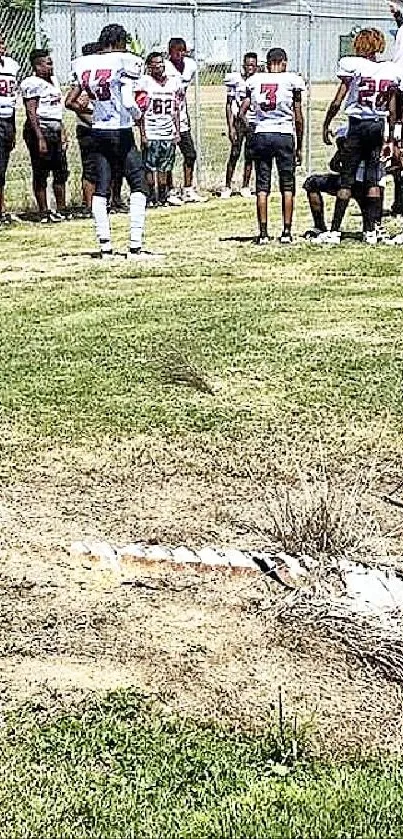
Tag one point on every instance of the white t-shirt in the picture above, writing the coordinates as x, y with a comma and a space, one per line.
398, 50
236, 92
272, 98
369, 83
109, 79
8, 87
50, 105
163, 102
186, 77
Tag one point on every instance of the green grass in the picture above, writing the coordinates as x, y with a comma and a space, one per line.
120, 769
291, 340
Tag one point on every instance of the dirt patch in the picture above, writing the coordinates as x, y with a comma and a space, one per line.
202, 644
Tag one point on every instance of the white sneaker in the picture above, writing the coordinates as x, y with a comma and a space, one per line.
245, 192
370, 237
398, 240
191, 196
174, 200
226, 193
329, 237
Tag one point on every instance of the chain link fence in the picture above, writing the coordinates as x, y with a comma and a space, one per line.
217, 35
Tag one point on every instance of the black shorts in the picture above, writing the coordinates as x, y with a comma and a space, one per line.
88, 153
278, 147
116, 152
7, 135
244, 132
54, 161
187, 148
364, 141
330, 183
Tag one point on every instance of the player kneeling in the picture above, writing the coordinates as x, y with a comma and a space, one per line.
108, 78
275, 96
159, 127
371, 87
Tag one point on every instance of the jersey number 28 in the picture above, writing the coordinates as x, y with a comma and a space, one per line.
374, 94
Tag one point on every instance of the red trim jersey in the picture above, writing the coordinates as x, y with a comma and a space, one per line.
109, 79
49, 95
369, 83
160, 102
8, 86
186, 77
272, 100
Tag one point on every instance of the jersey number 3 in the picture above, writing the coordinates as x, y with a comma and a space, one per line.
102, 91
270, 91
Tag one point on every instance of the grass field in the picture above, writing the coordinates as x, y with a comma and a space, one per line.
107, 432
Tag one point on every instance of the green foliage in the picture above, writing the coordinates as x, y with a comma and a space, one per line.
121, 770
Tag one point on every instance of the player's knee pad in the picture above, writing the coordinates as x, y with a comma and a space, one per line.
287, 182
311, 184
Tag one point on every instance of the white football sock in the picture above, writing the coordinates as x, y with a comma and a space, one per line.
102, 226
137, 219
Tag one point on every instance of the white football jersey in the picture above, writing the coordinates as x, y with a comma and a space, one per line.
368, 85
50, 105
236, 92
109, 80
272, 99
186, 76
8, 86
75, 72
163, 102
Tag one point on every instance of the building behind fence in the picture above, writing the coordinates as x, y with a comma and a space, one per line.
313, 33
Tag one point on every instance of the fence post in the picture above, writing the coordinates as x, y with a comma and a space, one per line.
73, 33
38, 21
309, 93
199, 166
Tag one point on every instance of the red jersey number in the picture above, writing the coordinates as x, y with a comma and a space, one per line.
270, 91
373, 94
7, 87
102, 91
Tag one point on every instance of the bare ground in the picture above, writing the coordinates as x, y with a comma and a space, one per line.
203, 644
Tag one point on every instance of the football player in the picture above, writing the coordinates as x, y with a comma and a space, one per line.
8, 87
328, 183
108, 78
179, 62
240, 131
370, 87
276, 96
159, 126
44, 134
397, 206
84, 133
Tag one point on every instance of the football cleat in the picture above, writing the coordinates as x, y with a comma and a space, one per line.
174, 200
262, 240
285, 238
245, 192
191, 196
51, 218
329, 237
370, 237
313, 233
226, 193
398, 240
138, 255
